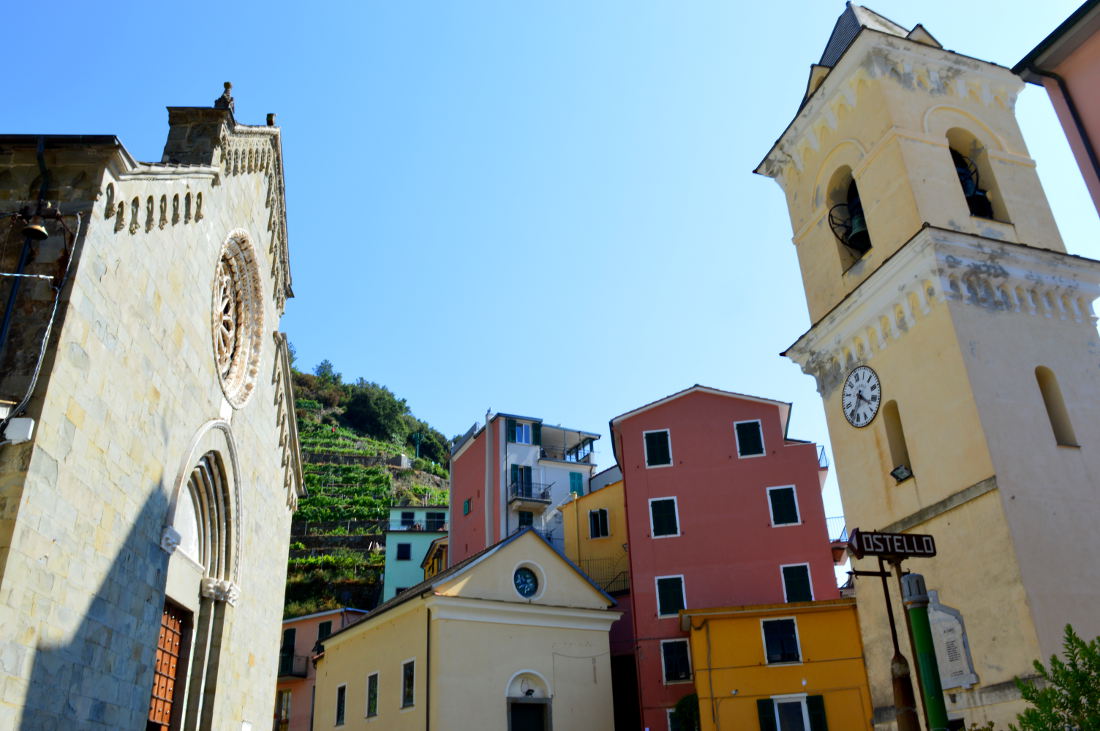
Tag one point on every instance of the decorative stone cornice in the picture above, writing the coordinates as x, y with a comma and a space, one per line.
874, 56
941, 266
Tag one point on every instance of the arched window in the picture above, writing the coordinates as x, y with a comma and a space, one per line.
1056, 407
901, 466
847, 218
975, 175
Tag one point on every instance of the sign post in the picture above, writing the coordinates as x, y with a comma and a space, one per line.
895, 548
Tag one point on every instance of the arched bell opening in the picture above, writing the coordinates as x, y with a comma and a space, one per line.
975, 176
847, 218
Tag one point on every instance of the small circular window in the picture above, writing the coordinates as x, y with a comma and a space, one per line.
237, 318
527, 583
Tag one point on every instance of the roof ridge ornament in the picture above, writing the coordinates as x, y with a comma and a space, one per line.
225, 101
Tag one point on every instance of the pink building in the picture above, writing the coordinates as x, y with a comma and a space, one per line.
294, 692
1067, 63
531, 468
722, 509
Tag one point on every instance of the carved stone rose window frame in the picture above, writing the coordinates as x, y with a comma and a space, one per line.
237, 317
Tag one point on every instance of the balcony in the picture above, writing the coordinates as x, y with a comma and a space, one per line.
293, 666
534, 496
434, 526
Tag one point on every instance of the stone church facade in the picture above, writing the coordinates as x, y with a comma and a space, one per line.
144, 523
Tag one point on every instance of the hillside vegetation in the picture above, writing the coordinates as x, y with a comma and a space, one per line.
352, 438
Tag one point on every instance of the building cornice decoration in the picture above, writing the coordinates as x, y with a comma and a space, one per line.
220, 590
287, 422
941, 266
873, 56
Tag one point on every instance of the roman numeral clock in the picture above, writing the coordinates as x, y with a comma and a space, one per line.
862, 396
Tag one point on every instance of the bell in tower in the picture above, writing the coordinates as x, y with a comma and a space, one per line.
932, 265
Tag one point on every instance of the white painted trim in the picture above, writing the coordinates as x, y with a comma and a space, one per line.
764, 641
737, 439
401, 686
676, 510
683, 594
536, 673
377, 695
336, 708
788, 698
540, 576
809, 578
691, 666
515, 613
771, 514
783, 405
645, 449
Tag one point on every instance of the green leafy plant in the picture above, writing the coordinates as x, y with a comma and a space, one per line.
1068, 694
686, 713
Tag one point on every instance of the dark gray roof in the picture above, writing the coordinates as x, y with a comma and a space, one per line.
848, 25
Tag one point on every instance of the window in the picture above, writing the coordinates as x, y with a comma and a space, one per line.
796, 583
521, 433
526, 519
372, 695
324, 629
289, 637
792, 713
597, 523
670, 595
675, 661
780, 641
282, 710
975, 173
435, 521
658, 448
847, 218
521, 481
1056, 407
900, 467
783, 505
341, 697
465, 507
663, 521
576, 483
408, 519
750, 438
408, 677
404, 551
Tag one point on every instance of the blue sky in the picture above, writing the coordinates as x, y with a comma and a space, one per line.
545, 208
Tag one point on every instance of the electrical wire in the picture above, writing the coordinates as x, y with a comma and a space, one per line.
49, 324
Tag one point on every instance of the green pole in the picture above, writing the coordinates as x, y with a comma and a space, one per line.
916, 602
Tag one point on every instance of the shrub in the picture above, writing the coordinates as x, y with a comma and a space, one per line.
1069, 695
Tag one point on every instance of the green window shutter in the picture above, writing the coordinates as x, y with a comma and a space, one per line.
749, 439
576, 483
815, 709
604, 530
593, 524
510, 427
784, 506
465, 507
536, 433
515, 474
765, 710
664, 518
796, 583
670, 595
656, 449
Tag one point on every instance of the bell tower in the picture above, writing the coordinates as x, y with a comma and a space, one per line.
929, 256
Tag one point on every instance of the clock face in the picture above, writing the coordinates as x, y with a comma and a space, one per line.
862, 396
526, 582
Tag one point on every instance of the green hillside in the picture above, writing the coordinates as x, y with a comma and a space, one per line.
353, 436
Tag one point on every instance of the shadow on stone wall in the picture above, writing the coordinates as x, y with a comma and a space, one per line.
103, 677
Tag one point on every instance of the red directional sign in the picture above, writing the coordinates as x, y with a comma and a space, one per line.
891, 545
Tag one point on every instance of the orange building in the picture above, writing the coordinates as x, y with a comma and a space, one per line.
779, 666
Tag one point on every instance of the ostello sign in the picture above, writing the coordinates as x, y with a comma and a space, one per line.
891, 545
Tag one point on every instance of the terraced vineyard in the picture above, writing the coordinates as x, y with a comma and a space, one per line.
337, 537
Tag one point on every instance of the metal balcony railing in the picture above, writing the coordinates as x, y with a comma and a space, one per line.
611, 575
530, 491
838, 530
426, 525
293, 666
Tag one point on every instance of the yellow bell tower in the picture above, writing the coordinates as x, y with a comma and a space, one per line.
931, 262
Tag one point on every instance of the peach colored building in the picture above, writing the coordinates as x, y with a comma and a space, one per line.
722, 509
294, 693
1067, 64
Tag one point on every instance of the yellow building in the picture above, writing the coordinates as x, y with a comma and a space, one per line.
796, 665
594, 526
954, 345
512, 637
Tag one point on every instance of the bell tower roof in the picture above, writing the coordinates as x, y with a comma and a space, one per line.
854, 19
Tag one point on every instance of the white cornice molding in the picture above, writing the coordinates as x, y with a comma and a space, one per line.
944, 266
516, 613
872, 56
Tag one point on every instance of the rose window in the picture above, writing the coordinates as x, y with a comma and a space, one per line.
237, 318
